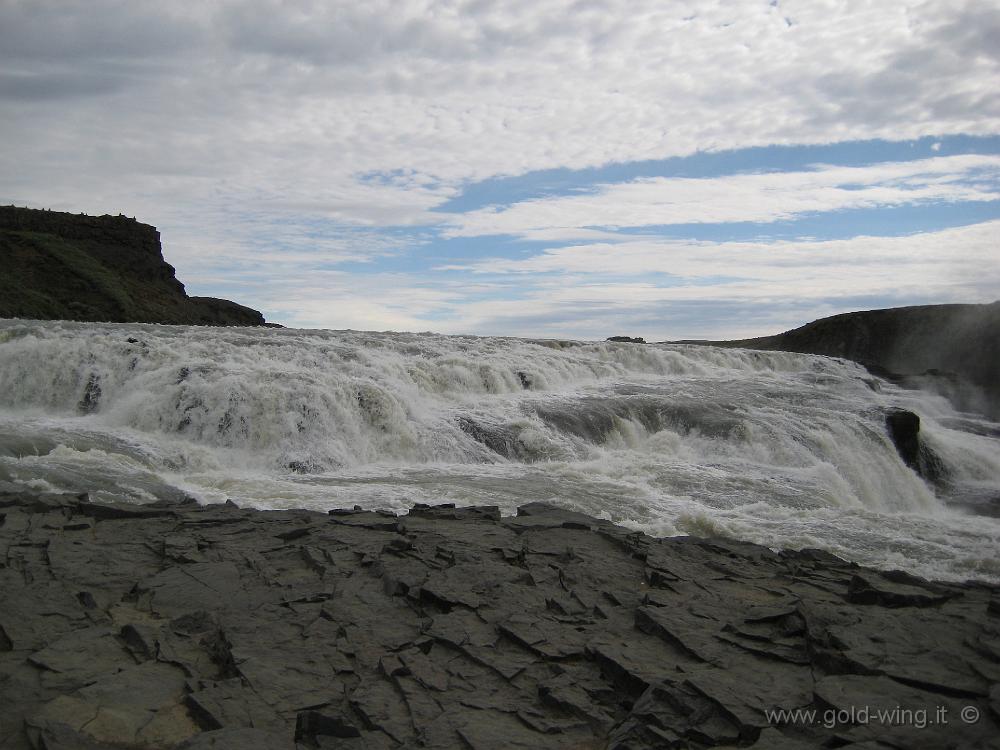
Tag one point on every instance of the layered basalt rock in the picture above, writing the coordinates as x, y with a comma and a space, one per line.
61, 266
178, 625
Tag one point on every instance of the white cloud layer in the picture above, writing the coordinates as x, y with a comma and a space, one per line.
122, 106
740, 198
863, 264
657, 289
271, 140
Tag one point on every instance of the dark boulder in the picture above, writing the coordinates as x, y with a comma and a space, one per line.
498, 438
904, 431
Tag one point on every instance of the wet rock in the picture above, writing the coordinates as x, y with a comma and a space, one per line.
904, 430
104, 512
188, 626
497, 438
898, 590
91, 395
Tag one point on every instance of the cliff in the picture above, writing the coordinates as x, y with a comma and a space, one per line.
63, 266
954, 349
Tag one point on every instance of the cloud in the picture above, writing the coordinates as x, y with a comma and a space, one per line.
740, 198
657, 289
61, 85
78, 33
334, 299
640, 286
261, 95
274, 140
930, 258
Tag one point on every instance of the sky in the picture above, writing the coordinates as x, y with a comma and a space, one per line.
544, 168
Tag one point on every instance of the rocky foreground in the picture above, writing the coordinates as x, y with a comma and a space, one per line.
177, 625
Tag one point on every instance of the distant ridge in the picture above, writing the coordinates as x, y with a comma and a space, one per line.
954, 349
62, 266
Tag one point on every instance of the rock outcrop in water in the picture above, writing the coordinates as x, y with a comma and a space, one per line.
61, 266
177, 625
904, 431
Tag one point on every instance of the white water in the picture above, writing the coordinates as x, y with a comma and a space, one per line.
782, 449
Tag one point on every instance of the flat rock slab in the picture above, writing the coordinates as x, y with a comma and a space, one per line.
180, 626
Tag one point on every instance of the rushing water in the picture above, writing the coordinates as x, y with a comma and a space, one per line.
783, 449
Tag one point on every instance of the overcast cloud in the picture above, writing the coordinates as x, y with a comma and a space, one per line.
307, 157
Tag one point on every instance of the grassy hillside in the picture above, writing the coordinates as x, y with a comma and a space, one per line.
73, 267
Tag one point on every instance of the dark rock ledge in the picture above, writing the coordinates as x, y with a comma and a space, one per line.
176, 625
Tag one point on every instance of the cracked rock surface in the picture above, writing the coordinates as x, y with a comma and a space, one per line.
197, 627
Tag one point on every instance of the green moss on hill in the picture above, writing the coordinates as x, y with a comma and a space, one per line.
56, 265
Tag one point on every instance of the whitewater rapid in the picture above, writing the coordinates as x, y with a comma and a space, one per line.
781, 449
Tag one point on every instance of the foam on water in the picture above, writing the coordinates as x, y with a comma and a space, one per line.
782, 449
